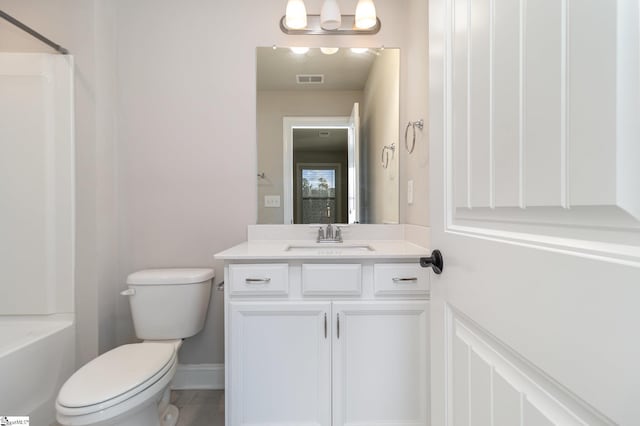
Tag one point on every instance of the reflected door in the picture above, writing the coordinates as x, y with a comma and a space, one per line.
353, 164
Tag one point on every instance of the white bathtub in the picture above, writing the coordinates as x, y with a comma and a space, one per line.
36, 356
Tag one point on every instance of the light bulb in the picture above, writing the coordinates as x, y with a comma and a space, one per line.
365, 14
329, 50
330, 18
296, 17
359, 49
299, 50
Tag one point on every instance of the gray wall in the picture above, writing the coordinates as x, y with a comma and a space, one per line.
380, 115
272, 106
166, 135
414, 95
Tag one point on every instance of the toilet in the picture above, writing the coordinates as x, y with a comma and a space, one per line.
130, 385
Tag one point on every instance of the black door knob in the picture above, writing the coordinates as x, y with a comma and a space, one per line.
435, 261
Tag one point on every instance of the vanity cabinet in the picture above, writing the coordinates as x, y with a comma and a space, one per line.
327, 344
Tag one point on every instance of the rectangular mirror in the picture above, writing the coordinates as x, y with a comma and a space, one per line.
327, 134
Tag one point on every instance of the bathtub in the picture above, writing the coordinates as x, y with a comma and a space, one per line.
37, 355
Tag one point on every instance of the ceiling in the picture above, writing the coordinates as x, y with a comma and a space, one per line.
344, 70
311, 140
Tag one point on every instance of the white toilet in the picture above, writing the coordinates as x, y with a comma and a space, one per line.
129, 385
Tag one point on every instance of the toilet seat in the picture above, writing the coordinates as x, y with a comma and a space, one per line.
117, 376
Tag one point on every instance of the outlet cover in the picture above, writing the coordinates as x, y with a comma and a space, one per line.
272, 201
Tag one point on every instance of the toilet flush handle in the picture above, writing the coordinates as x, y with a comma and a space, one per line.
128, 292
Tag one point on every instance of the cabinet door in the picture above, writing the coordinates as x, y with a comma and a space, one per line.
380, 363
280, 364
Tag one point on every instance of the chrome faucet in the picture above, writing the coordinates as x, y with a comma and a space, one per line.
329, 232
333, 234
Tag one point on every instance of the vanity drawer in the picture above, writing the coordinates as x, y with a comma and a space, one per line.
400, 279
331, 279
259, 279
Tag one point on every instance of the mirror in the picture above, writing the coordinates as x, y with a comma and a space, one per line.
327, 134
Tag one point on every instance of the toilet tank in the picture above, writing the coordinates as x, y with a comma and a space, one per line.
169, 303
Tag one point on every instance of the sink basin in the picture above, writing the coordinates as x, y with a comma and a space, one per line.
342, 247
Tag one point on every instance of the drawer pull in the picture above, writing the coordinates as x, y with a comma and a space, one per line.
405, 280
257, 280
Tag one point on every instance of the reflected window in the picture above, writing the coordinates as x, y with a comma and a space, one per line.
318, 193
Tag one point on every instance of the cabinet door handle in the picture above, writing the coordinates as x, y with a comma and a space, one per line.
325, 325
338, 325
405, 280
257, 280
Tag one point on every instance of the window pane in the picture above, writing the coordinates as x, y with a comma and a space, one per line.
318, 202
318, 183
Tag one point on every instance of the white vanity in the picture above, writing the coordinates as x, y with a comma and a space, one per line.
327, 334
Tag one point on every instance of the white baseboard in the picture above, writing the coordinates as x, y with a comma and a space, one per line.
198, 376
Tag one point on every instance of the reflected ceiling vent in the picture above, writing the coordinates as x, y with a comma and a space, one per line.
324, 133
310, 78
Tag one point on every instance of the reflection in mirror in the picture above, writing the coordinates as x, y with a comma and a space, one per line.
320, 191
322, 123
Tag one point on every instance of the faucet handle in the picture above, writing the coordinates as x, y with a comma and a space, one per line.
338, 234
320, 234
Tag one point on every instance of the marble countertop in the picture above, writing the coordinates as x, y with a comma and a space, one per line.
309, 250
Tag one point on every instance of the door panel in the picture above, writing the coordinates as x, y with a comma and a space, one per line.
506, 104
499, 384
529, 125
380, 363
537, 301
543, 109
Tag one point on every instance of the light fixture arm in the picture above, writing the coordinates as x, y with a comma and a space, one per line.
314, 28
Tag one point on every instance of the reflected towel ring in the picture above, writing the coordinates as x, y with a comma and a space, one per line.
413, 124
384, 159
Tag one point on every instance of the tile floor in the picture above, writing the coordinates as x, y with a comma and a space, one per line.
199, 407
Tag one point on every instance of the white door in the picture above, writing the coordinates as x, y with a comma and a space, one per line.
535, 195
353, 165
280, 364
380, 368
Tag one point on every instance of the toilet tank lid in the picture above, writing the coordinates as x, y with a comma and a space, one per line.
170, 276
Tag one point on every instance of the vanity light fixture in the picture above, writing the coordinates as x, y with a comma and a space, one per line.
329, 50
359, 50
330, 21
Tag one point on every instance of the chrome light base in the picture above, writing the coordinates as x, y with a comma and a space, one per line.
348, 27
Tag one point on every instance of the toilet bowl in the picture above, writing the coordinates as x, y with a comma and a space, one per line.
120, 387
130, 385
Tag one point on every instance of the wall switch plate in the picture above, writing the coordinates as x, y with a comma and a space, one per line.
410, 192
272, 201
